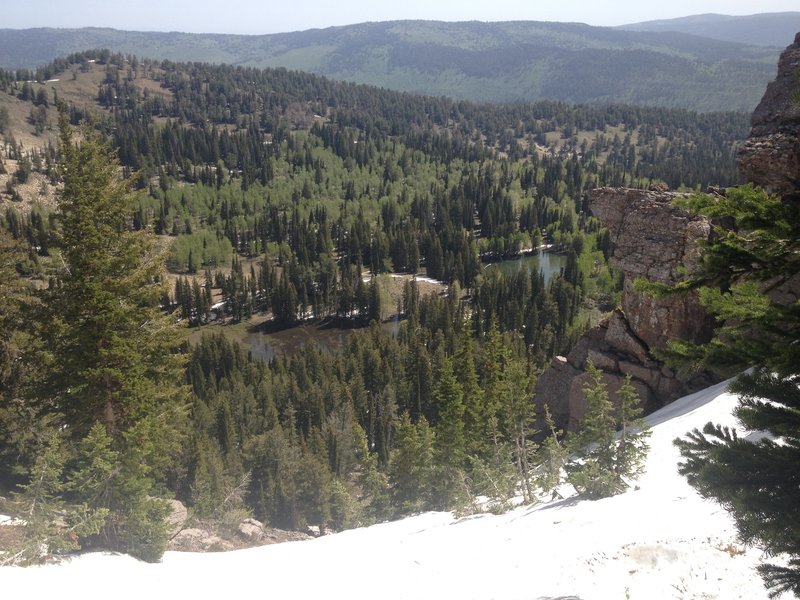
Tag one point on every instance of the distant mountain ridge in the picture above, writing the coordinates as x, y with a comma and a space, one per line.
493, 62
765, 29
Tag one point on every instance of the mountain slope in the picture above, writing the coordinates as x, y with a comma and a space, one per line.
499, 62
657, 541
765, 29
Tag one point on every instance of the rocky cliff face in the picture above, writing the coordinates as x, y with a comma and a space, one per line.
654, 240
770, 157
657, 241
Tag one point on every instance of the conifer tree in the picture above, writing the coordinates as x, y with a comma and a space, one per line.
518, 414
605, 458
632, 444
450, 443
496, 356
114, 347
114, 357
43, 508
467, 376
551, 457
449, 397
274, 459
593, 473
743, 268
410, 469
210, 483
23, 431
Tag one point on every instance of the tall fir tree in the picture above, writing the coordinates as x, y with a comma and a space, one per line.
114, 357
411, 466
51, 525
467, 376
551, 457
606, 458
450, 447
518, 416
632, 444
742, 276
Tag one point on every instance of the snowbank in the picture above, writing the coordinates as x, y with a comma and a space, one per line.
658, 541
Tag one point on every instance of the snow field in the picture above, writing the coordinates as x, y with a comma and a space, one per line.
659, 540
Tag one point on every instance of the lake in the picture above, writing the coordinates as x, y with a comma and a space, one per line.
548, 263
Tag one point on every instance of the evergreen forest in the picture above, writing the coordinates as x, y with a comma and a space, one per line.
723, 65
196, 202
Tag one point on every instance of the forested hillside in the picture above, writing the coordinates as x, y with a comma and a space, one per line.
278, 198
766, 29
521, 61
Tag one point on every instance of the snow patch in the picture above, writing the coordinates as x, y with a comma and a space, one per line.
659, 540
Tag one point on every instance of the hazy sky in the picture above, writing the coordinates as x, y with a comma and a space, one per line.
270, 16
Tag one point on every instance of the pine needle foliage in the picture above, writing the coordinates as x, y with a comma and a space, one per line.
755, 477
611, 447
111, 361
551, 456
49, 527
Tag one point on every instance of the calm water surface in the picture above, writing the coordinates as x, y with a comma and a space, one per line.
549, 264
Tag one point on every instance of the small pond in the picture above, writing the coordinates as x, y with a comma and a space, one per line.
548, 263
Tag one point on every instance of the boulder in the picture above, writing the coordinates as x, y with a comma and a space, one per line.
193, 539
251, 529
177, 517
278, 536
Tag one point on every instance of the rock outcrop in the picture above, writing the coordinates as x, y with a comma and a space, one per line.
654, 240
657, 241
770, 157
217, 537
178, 515
194, 539
251, 529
